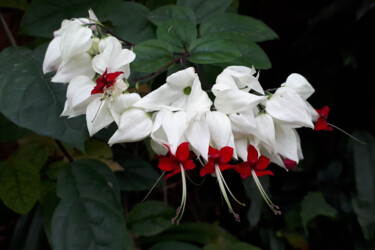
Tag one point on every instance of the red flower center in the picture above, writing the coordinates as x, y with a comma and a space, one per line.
105, 81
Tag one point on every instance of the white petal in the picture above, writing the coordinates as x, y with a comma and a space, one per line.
174, 125
98, 116
182, 79
52, 59
300, 85
135, 125
289, 108
75, 40
121, 104
243, 123
198, 100
92, 15
241, 145
112, 57
198, 135
220, 130
78, 96
244, 78
79, 65
160, 98
286, 142
265, 130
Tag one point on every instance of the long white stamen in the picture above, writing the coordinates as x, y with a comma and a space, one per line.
231, 194
101, 103
181, 208
224, 193
152, 188
343, 131
273, 207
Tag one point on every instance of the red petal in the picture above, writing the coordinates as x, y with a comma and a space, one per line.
224, 167
252, 154
189, 165
176, 171
290, 164
169, 149
209, 168
167, 164
213, 152
263, 172
243, 169
182, 152
262, 163
324, 112
226, 154
111, 78
321, 124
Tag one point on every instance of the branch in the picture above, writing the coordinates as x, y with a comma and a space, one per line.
7, 31
64, 151
162, 68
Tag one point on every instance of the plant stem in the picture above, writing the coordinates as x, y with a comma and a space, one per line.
7, 31
64, 151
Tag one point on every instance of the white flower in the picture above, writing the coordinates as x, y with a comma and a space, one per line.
300, 85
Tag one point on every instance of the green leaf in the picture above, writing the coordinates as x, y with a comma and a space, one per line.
20, 184
251, 53
43, 17
253, 29
207, 50
10, 131
228, 245
179, 33
150, 218
14, 4
165, 13
204, 8
55, 168
364, 170
98, 148
128, 18
173, 245
151, 56
153, 4
89, 215
313, 205
30, 100
34, 154
138, 175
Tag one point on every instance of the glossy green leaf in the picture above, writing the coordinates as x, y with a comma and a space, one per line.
179, 33
30, 100
138, 175
34, 154
253, 29
207, 50
364, 169
251, 53
150, 218
153, 4
128, 18
168, 12
43, 17
89, 215
14, 4
20, 185
151, 56
10, 131
204, 8
313, 205
173, 245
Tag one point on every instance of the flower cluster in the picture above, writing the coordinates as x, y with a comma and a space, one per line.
243, 123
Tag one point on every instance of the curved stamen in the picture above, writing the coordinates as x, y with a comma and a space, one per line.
224, 193
343, 131
231, 194
273, 207
181, 209
152, 188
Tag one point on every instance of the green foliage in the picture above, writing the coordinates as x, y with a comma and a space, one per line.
150, 218
313, 205
20, 185
10, 131
152, 55
364, 170
28, 98
137, 175
14, 4
179, 33
251, 28
206, 50
168, 12
34, 154
89, 209
203, 8
172, 245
